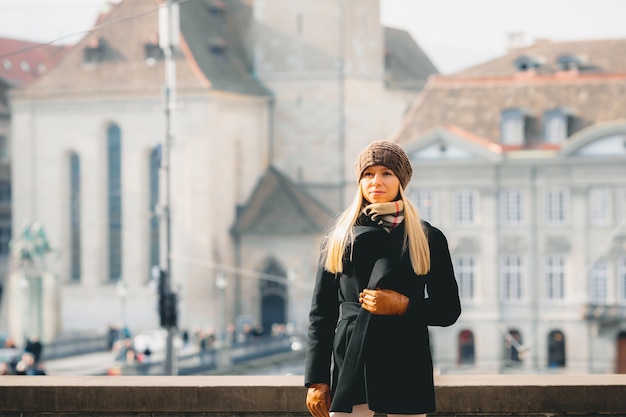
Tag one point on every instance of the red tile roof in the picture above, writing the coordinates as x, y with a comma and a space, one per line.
22, 61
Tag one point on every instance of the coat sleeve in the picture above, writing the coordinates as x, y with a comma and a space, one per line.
442, 306
322, 322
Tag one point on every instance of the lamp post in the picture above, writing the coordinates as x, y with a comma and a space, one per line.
220, 283
29, 252
122, 293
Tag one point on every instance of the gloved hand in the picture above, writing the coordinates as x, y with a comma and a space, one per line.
318, 400
384, 302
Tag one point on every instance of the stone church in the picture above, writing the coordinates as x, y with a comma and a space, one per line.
273, 101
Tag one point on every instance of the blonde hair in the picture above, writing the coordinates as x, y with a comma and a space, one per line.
342, 235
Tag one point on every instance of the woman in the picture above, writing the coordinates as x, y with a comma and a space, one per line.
369, 313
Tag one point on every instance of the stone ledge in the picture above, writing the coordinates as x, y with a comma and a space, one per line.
284, 395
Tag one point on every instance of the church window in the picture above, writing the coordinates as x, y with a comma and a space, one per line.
114, 158
4, 148
75, 229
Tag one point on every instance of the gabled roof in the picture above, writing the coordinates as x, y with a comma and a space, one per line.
604, 56
452, 143
22, 61
406, 64
606, 140
278, 206
212, 54
475, 104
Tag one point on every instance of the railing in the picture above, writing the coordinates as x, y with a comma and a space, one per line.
198, 362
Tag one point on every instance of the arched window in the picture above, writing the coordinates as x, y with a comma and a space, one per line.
273, 289
621, 353
556, 349
75, 270
4, 148
516, 126
557, 125
466, 348
155, 162
114, 157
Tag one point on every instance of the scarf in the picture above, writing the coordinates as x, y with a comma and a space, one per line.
386, 215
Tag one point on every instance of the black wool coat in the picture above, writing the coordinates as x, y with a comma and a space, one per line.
384, 361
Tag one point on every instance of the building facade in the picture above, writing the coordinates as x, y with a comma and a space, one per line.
270, 108
522, 162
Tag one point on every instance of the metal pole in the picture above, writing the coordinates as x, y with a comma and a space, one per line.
169, 90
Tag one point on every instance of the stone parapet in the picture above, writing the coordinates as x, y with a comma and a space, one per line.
282, 396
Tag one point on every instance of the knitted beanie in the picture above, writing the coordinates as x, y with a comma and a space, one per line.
389, 154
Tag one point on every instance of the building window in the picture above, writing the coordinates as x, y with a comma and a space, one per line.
75, 249
155, 247
94, 52
511, 207
513, 347
114, 139
464, 271
512, 273
621, 278
556, 349
515, 127
555, 277
556, 125
568, 62
528, 63
424, 201
467, 355
600, 206
621, 206
598, 282
556, 207
4, 148
5, 237
5, 193
466, 206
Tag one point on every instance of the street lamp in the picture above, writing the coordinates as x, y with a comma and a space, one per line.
122, 293
221, 282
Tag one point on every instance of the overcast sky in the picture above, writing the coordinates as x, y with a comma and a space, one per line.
454, 33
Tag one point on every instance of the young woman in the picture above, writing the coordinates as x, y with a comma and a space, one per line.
384, 277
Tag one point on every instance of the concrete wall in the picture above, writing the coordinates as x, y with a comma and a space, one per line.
281, 396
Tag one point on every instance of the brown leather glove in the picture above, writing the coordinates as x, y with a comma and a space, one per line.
318, 400
384, 302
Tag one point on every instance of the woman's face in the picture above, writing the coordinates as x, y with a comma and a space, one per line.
379, 184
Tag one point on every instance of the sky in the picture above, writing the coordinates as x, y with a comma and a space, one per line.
454, 33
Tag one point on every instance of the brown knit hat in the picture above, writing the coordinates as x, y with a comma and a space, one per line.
389, 154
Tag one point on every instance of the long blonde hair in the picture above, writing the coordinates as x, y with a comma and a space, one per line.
342, 234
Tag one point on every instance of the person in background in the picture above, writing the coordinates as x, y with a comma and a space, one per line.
384, 277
